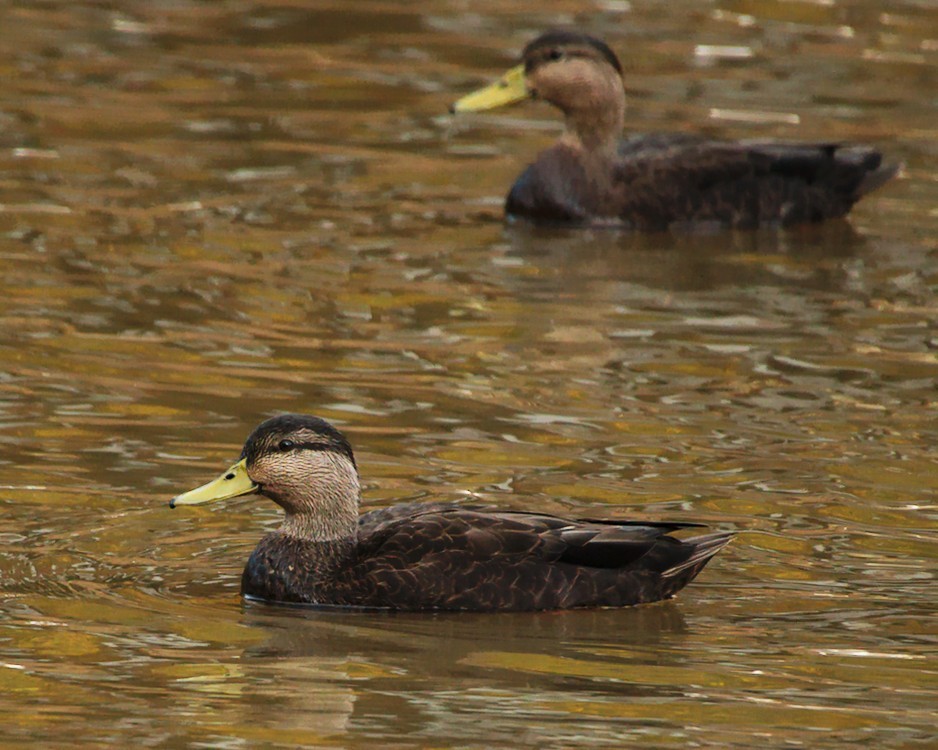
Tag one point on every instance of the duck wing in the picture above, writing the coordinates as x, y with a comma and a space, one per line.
666, 181
469, 559
379, 518
661, 181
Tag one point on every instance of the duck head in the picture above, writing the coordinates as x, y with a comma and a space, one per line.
575, 72
303, 464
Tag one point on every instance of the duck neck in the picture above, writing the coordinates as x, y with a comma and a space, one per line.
319, 527
596, 116
596, 130
331, 516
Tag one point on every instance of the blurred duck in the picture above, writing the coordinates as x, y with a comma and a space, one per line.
433, 556
594, 176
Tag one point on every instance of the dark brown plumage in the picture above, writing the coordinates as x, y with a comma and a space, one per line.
434, 556
592, 176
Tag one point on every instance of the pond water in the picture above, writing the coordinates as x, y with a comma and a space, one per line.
215, 212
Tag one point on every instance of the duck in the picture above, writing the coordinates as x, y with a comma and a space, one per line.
433, 556
595, 176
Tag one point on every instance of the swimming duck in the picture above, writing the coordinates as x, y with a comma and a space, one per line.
435, 556
594, 176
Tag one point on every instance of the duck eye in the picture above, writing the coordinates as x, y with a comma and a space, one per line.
285, 445
555, 54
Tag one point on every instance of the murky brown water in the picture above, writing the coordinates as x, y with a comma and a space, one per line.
212, 212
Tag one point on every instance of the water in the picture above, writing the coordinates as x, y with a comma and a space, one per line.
210, 213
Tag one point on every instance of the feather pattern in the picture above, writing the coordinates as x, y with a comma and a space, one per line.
659, 181
434, 556
450, 558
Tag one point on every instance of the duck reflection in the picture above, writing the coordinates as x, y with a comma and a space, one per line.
307, 631
333, 669
809, 257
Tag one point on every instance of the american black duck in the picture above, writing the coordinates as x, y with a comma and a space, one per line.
594, 176
433, 556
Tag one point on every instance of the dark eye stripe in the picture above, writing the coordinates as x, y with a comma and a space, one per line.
268, 434
568, 42
314, 446
286, 445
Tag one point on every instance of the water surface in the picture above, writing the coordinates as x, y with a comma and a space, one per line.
210, 213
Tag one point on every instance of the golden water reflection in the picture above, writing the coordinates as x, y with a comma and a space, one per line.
212, 213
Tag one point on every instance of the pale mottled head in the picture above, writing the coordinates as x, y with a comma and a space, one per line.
573, 71
561, 45
577, 73
295, 459
303, 464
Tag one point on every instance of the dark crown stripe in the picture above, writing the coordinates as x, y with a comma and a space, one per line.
562, 38
326, 447
268, 434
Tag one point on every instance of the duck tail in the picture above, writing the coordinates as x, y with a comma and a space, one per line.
863, 169
702, 548
878, 177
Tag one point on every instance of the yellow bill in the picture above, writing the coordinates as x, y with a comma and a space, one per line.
233, 483
508, 89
